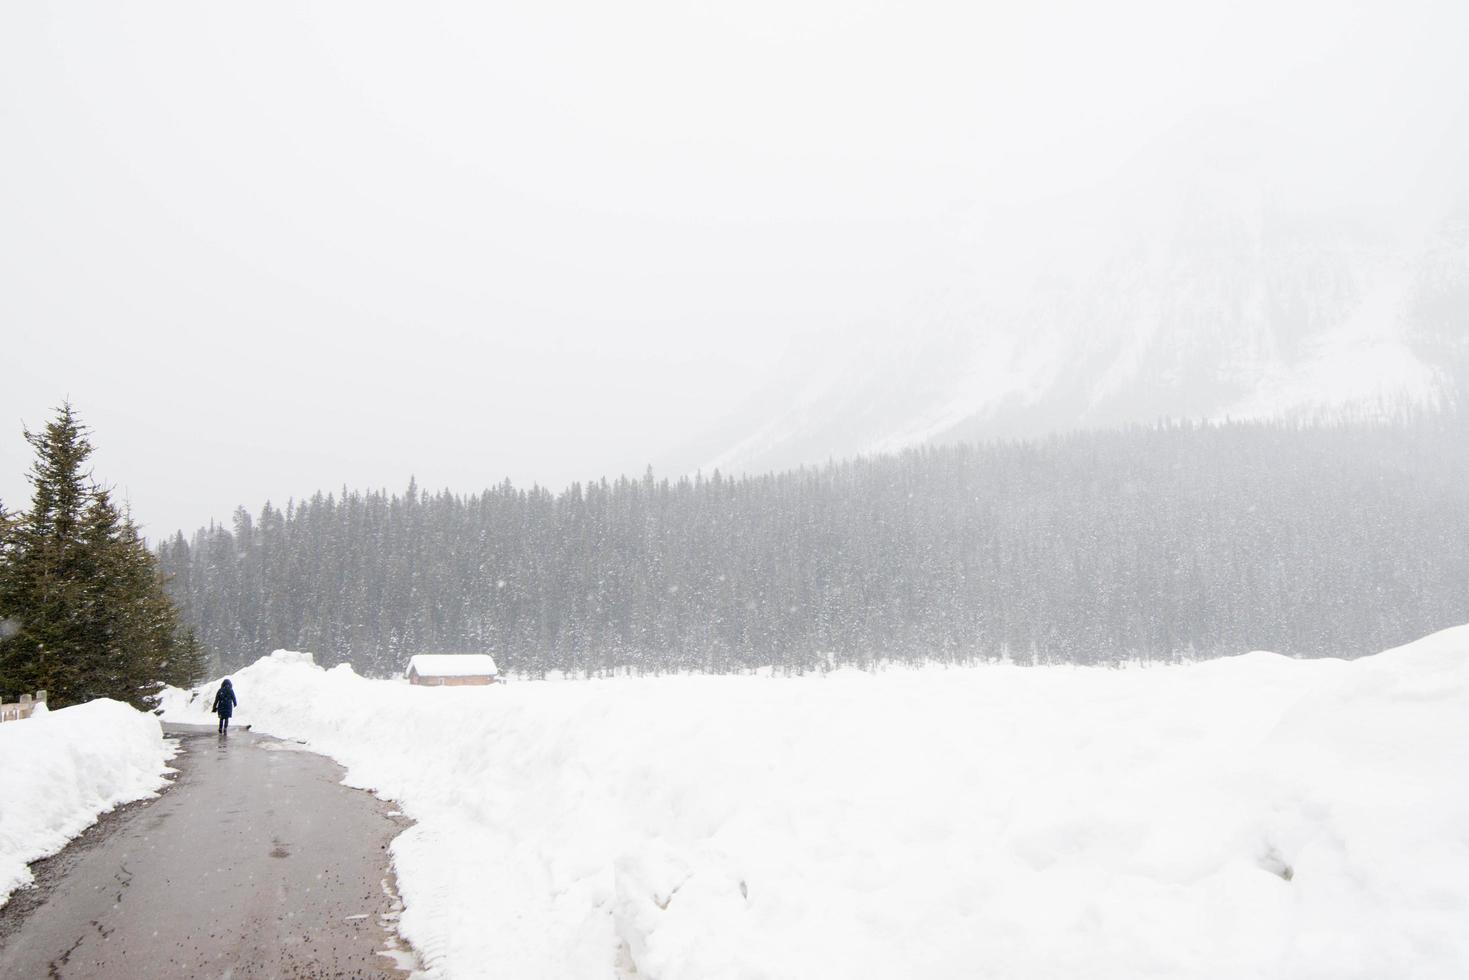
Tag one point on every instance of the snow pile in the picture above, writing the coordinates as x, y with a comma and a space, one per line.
1248, 817
62, 769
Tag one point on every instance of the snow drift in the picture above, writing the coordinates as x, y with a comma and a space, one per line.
1255, 816
62, 769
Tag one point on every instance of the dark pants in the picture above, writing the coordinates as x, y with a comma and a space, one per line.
224, 723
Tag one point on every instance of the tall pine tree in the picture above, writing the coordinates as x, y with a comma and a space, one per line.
41, 583
87, 612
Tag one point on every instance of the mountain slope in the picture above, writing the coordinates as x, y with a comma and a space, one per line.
1235, 309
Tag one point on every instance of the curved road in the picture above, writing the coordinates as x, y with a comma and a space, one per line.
257, 862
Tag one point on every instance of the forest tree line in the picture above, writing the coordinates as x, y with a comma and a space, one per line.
1162, 543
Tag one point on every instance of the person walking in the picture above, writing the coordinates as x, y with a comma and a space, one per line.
224, 705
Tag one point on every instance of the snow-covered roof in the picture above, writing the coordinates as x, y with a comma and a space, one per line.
453, 665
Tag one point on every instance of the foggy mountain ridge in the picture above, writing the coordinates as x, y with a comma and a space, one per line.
1237, 309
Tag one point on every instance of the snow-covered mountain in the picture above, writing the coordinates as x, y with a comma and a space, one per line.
1238, 308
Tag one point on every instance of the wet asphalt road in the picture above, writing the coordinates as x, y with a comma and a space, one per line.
255, 863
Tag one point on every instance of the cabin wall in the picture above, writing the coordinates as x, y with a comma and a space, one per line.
472, 681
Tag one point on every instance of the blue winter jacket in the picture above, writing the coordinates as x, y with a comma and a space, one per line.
225, 700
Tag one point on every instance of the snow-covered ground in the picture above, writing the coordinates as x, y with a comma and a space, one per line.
61, 769
1250, 817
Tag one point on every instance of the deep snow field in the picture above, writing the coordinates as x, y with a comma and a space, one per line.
59, 770
1249, 817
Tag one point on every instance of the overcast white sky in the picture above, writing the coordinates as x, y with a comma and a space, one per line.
283, 246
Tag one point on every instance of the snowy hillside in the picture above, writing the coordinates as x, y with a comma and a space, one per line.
1227, 307
1255, 816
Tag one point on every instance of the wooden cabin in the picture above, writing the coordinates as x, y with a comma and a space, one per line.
452, 669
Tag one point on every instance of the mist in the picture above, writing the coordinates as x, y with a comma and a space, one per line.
303, 245
859, 489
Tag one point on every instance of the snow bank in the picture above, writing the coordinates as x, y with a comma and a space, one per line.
1256, 816
62, 769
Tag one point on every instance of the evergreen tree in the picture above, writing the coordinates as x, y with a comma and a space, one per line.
42, 584
190, 662
134, 643
8, 624
91, 612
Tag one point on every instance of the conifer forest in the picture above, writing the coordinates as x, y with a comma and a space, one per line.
1151, 543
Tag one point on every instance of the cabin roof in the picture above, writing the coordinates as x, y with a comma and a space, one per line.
453, 665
